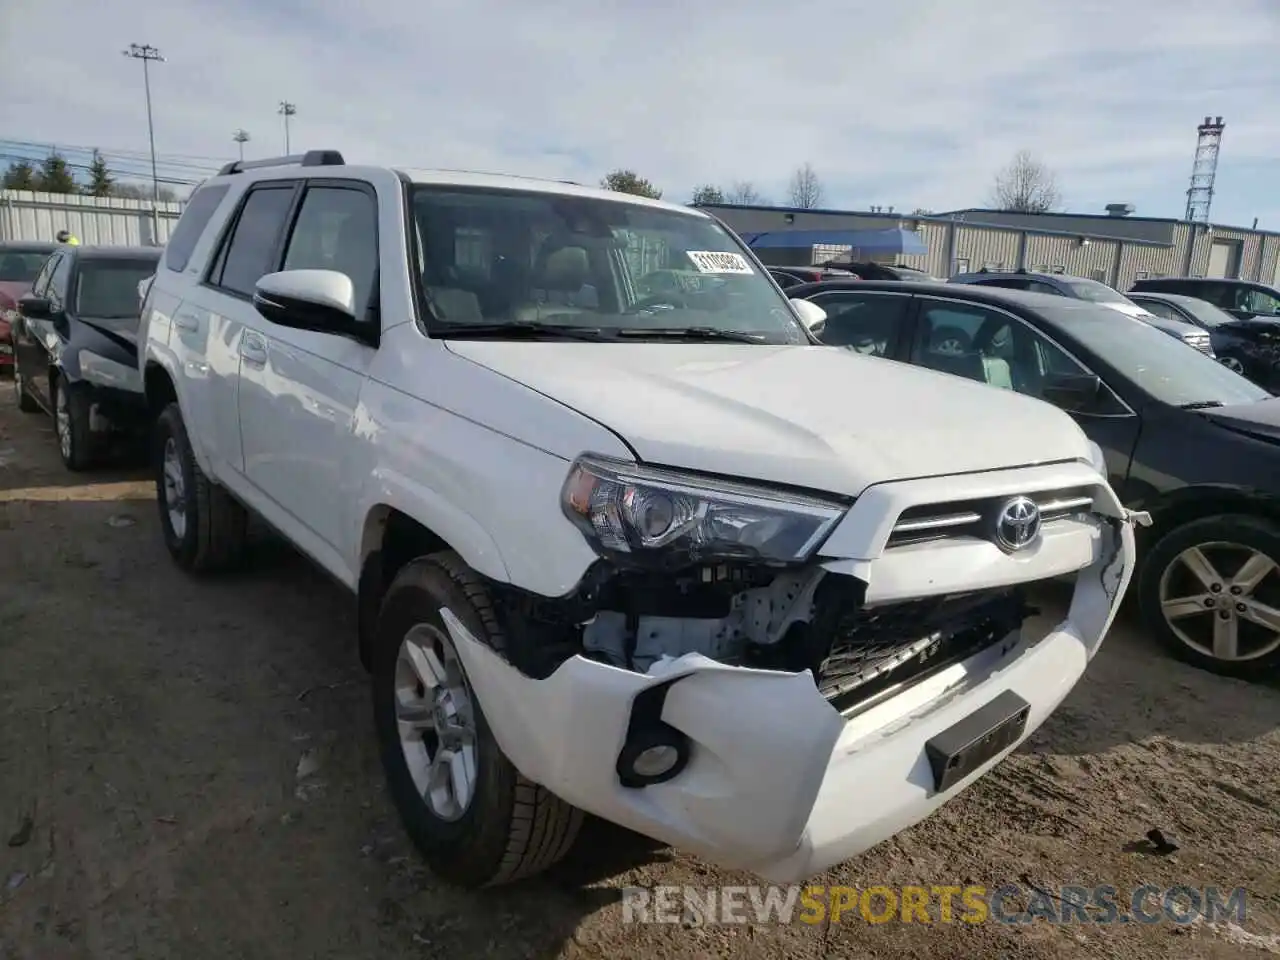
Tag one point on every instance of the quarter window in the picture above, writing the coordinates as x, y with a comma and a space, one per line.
195, 217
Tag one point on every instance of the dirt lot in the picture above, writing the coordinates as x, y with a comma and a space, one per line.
153, 729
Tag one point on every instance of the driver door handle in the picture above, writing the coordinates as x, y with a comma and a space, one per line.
253, 350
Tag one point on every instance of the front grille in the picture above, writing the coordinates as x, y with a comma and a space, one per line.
976, 518
888, 644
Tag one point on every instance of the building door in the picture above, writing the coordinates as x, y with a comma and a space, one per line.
1224, 259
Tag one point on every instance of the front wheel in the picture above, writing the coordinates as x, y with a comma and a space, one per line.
1210, 592
477, 821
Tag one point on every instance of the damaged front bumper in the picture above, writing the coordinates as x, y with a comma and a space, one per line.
778, 781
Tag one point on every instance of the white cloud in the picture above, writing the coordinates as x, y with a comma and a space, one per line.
914, 104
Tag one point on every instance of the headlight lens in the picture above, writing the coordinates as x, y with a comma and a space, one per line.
668, 518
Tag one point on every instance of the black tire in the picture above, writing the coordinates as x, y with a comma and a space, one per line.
26, 402
216, 525
81, 451
513, 828
1251, 532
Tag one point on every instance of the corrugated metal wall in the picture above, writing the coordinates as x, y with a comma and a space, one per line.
25, 215
993, 248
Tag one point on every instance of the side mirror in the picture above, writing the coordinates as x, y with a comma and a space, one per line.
318, 300
35, 308
810, 314
1072, 391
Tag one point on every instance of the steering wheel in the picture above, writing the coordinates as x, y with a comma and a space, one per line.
949, 340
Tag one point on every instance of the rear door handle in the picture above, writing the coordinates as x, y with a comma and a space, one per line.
253, 350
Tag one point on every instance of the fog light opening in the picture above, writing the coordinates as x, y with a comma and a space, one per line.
652, 756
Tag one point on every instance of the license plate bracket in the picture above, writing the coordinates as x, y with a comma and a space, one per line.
966, 745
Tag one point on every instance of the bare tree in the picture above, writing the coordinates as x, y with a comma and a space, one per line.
1025, 186
708, 193
806, 189
745, 194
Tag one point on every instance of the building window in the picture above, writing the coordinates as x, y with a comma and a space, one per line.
962, 265
1059, 268
1041, 268
1099, 275
992, 267
1141, 275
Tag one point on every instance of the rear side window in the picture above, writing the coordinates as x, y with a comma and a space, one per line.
185, 236
252, 251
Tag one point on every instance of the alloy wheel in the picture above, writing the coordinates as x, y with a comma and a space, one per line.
62, 421
436, 720
175, 488
1227, 616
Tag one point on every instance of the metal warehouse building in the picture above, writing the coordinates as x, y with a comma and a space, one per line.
1116, 248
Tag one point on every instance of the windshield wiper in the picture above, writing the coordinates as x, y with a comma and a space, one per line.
689, 333
518, 330
1201, 405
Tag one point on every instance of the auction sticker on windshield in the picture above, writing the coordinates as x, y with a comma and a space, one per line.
711, 261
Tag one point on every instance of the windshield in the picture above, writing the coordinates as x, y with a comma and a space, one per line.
1161, 365
1205, 312
21, 266
597, 265
108, 289
1094, 292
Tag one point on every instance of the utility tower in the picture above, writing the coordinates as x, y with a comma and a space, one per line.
287, 110
1200, 195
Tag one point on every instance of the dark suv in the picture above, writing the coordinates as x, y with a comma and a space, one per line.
1243, 299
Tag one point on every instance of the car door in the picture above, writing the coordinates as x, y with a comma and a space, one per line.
212, 323
50, 335
28, 347
868, 322
1006, 351
298, 388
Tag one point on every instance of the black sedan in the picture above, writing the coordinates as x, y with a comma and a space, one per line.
1185, 438
1250, 346
75, 346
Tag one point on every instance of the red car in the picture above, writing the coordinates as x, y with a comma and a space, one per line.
19, 264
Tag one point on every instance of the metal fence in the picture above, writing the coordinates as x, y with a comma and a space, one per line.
28, 215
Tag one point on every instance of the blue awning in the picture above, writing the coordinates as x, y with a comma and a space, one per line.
892, 240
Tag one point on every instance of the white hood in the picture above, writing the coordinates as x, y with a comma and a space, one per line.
816, 417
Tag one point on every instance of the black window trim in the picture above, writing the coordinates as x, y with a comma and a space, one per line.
216, 262
924, 297
373, 309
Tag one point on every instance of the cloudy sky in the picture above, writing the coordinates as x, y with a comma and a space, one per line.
915, 103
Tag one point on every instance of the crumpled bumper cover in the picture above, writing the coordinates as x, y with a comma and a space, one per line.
779, 782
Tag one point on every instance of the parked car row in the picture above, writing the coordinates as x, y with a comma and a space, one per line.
621, 533
1186, 439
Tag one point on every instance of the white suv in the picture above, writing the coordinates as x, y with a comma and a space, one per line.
623, 537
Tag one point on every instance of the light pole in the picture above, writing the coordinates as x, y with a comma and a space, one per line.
287, 110
241, 137
147, 53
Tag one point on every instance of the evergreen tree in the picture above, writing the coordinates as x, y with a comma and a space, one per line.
21, 175
55, 176
100, 180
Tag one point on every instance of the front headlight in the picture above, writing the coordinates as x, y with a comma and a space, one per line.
671, 519
1096, 458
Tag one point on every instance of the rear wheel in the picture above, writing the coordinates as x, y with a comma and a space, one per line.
71, 417
204, 527
1210, 592
477, 821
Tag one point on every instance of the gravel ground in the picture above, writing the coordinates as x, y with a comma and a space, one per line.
188, 770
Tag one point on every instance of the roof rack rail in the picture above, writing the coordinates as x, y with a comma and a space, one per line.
312, 158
